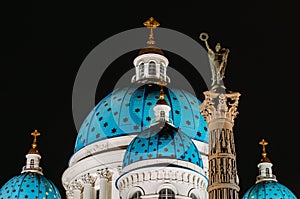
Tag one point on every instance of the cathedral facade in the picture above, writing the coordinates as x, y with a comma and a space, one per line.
148, 140
142, 141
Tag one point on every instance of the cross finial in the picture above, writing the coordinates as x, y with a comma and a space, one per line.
35, 134
152, 24
264, 143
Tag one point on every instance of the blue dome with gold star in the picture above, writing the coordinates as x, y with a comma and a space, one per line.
269, 189
30, 185
129, 111
162, 141
266, 186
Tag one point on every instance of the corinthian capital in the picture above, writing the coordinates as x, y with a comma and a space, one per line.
104, 173
220, 105
233, 104
88, 179
76, 185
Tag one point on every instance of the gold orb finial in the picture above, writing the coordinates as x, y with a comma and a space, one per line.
161, 100
264, 143
152, 24
162, 94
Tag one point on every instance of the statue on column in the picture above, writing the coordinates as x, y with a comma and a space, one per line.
217, 60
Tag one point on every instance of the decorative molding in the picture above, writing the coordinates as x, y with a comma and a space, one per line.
111, 144
221, 142
165, 162
152, 179
167, 175
149, 57
100, 147
222, 170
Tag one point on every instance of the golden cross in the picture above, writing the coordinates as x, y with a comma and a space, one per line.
152, 24
264, 144
35, 133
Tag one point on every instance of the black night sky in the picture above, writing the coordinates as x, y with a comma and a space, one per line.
44, 44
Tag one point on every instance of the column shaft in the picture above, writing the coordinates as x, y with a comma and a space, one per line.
88, 191
77, 194
103, 188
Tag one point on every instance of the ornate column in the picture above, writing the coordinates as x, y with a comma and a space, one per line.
219, 110
104, 176
76, 188
88, 182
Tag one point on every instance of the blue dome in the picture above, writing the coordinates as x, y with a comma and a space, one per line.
29, 185
130, 111
268, 190
162, 141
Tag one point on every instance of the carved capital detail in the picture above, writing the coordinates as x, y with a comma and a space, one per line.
104, 173
119, 169
69, 194
88, 179
76, 185
220, 106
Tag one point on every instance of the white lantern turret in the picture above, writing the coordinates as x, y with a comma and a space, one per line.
162, 108
151, 64
33, 157
265, 165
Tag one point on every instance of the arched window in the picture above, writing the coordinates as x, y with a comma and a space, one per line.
136, 195
162, 115
162, 72
152, 68
267, 172
193, 196
166, 194
31, 163
141, 70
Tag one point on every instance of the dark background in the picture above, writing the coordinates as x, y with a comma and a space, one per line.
44, 44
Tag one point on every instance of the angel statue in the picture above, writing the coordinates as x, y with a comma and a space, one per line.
217, 60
